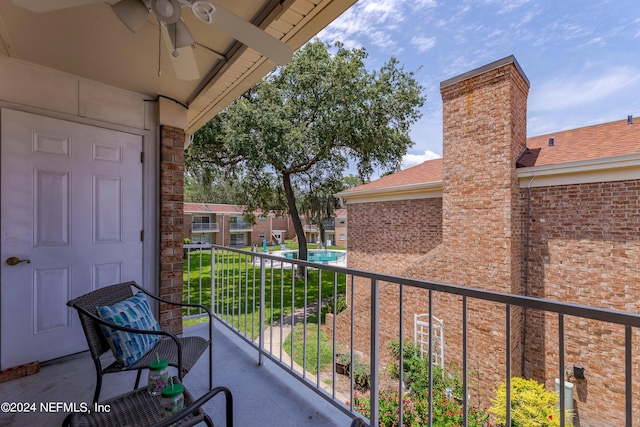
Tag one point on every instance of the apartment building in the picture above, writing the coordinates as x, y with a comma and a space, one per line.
555, 216
225, 225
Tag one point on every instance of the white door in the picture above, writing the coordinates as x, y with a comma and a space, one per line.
71, 205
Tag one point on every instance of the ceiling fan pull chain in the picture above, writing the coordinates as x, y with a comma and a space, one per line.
175, 52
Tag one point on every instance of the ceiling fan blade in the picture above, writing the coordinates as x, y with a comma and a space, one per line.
184, 65
49, 5
132, 13
250, 35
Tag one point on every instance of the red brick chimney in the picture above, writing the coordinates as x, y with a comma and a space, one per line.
484, 133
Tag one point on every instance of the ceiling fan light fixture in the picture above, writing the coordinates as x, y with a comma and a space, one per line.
167, 11
203, 10
132, 13
180, 35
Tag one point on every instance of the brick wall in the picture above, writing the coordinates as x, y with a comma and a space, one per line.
484, 133
341, 229
171, 225
584, 248
186, 227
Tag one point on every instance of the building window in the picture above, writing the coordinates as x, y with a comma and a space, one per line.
262, 219
200, 220
200, 238
261, 235
342, 221
237, 240
341, 236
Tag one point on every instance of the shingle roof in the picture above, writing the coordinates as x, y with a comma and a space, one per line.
591, 142
212, 208
429, 171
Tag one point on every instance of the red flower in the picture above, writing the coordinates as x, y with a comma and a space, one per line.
550, 417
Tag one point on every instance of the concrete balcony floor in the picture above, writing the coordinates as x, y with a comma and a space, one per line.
263, 395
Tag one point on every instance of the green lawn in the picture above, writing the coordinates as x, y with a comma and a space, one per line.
237, 287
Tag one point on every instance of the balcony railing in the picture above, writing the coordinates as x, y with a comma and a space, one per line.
310, 228
264, 298
240, 226
204, 227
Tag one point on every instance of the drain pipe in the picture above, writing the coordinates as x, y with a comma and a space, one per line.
526, 274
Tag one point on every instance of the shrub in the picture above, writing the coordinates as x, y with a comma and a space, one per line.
531, 405
341, 305
416, 371
415, 410
361, 373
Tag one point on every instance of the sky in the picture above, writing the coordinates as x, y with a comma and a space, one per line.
582, 58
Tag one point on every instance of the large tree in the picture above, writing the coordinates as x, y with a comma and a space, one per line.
293, 134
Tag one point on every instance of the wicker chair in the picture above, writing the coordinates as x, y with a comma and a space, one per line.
139, 408
181, 353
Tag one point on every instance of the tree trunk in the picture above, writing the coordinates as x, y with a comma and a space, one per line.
297, 224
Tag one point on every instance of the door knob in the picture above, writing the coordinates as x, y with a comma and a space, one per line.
15, 260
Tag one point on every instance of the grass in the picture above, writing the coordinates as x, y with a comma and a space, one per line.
326, 348
237, 288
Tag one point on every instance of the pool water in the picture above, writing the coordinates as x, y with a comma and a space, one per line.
317, 255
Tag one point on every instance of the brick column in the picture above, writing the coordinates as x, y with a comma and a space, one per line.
484, 133
171, 225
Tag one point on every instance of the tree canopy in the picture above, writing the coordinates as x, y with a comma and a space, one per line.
289, 139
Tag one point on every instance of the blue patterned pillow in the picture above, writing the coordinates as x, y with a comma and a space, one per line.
134, 312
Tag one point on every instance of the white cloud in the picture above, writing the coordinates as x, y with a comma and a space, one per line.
574, 91
409, 160
423, 43
375, 20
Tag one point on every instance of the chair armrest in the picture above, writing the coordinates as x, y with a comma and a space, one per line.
182, 304
198, 403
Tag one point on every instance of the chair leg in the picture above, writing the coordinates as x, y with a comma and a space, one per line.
138, 378
96, 393
67, 421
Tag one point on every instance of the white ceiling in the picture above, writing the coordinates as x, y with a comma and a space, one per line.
90, 41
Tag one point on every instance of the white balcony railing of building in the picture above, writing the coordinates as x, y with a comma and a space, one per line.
262, 298
204, 227
240, 226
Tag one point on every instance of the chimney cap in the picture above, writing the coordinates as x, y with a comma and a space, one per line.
485, 68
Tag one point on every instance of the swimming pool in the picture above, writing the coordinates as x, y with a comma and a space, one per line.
319, 255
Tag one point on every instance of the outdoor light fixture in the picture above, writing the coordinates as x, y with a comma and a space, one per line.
132, 13
578, 372
167, 11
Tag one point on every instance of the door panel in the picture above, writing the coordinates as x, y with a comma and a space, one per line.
72, 205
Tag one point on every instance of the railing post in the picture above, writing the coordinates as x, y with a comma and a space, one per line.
262, 291
508, 363
562, 368
628, 375
375, 341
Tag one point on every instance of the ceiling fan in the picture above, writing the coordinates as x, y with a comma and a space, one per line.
134, 14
